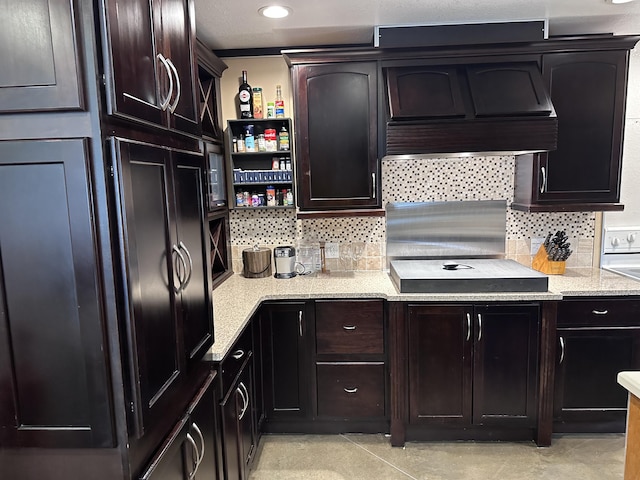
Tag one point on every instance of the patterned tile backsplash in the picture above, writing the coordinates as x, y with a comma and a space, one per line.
417, 180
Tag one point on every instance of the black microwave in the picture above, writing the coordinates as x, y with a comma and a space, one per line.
216, 180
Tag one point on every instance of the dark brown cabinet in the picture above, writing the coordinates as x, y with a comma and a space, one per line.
336, 110
150, 67
350, 363
238, 406
482, 90
588, 91
473, 365
190, 450
39, 51
159, 200
54, 378
210, 69
597, 339
286, 343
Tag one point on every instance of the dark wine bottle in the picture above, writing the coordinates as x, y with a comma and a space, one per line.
245, 97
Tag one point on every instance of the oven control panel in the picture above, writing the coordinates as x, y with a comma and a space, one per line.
621, 240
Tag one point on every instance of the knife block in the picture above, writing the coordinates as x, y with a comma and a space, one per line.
542, 264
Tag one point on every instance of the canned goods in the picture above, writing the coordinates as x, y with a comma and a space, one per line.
271, 139
262, 145
239, 199
255, 200
275, 163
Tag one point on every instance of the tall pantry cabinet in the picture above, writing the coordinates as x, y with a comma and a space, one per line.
105, 309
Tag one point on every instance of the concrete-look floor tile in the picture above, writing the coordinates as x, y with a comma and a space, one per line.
318, 457
371, 457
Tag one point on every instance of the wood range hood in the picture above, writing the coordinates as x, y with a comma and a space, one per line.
499, 108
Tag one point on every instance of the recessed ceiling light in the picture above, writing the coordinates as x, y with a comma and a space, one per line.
619, 1
275, 11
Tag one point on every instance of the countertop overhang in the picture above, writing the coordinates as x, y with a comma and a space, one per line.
238, 298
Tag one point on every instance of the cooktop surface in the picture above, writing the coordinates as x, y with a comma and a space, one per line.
466, 276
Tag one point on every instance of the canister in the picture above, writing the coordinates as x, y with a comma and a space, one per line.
256, 262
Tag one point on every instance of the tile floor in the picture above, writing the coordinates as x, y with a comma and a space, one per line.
370, 457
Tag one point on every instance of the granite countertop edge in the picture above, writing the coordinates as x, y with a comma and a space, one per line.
238, 298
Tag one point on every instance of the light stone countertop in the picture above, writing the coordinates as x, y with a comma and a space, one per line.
236, 299
630, 381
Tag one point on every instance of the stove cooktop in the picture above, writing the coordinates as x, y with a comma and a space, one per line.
470, 276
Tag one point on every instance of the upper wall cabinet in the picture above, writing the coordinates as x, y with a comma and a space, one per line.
38, 48
588, 91
210, 69
150, 66
336, 111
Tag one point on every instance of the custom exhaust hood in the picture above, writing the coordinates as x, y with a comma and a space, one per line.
495, 108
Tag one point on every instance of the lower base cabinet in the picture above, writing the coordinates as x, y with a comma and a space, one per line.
472, 369
238, 409
596, 339
191, 450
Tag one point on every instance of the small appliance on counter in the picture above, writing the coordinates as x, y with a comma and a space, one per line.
256, 262
285, 260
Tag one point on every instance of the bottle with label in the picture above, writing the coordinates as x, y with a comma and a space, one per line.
249, 139
283, 139
257, 103
279, 103
245, 97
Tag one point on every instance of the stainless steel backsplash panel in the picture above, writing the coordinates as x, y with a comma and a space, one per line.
432, 230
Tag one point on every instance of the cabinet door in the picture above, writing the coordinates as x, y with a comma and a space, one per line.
133, 63
173, 460
202, 452
53, 370
505, 363
194, 305
588, 91
142, 181
285, 335
38, 48
431, 92
587, 394
440, 359
178, 46
336, 114
238, 426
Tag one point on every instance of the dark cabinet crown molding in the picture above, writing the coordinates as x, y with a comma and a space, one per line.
572, 43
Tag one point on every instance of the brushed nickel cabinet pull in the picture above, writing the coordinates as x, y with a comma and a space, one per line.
561, 350
479, 327
468, 326
238, 354
349, 327
599, 312
300, 322
351, 390
165, 103
192, 473
543, 187
373, 182
173, 107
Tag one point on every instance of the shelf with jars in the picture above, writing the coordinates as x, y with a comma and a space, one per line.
260, 161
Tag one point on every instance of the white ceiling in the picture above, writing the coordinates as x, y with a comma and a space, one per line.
235, 24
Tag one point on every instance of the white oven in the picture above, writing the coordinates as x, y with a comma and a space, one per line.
621, 251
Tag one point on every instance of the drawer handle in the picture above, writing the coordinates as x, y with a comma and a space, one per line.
599, 312
562, 350
351, 390
349, 327
238, 354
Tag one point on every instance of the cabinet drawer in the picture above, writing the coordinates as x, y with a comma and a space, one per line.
351, 390
599, 312
350, 327
235, 358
